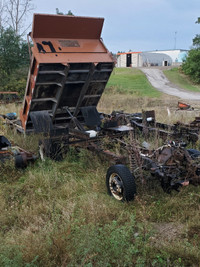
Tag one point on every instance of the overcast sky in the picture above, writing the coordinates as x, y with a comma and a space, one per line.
139, 25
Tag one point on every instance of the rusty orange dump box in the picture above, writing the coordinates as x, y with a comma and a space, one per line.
70, 67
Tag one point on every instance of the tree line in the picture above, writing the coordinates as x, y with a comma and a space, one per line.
191, 66
14, 55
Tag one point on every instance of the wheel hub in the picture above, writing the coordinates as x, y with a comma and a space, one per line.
116, 186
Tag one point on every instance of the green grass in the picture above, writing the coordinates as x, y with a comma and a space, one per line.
178, 78
131, 81
59, 214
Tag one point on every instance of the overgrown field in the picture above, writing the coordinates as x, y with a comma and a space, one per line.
59, 213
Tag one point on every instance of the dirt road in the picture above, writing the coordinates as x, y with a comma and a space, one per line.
158, 80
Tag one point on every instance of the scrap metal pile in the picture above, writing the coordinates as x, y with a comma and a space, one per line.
20, 156
69, 70
146, 123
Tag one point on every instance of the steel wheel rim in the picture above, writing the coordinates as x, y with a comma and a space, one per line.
116, 186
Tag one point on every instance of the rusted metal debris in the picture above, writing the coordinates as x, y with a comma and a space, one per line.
146, 124
21, 157
173, 165
184, 106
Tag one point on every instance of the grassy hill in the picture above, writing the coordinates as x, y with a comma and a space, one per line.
59, 213
131, 81
177, 77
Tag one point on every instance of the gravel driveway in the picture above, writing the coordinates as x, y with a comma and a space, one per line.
158, 80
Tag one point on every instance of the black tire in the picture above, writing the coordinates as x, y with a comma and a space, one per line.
120, 183
20, 162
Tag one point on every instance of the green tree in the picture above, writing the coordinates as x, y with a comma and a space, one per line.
191, 66
196, 40
13, 51
14, 61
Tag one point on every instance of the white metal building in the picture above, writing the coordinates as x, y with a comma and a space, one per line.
177, 55
154, 59
151, 58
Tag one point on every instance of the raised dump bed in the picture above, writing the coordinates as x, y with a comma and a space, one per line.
69, 70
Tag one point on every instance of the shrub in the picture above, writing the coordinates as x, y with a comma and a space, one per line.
191, 66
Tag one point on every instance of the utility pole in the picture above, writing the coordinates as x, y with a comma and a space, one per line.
175, 39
